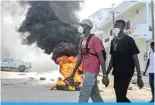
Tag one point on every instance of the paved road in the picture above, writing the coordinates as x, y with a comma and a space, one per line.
19, 88
33, 92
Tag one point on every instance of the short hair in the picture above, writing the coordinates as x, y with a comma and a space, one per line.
121, 21
152, 44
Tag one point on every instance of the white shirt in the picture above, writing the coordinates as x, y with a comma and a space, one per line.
151, 65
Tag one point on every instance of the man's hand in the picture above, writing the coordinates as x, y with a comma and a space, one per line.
69, 80
105, 81
144, 73
140, 82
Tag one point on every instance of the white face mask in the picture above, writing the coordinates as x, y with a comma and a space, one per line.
116, 31
80, 30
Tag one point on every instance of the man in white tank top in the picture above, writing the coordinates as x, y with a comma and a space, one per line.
150, 67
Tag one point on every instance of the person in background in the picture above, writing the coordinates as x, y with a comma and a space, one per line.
124, 58
150, 67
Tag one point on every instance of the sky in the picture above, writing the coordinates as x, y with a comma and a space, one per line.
91, 6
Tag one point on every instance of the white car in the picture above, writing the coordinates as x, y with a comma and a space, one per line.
12, 63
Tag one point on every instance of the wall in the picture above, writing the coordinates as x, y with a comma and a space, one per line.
135, 19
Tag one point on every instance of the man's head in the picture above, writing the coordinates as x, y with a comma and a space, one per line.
152, 45
119, 26
86, 25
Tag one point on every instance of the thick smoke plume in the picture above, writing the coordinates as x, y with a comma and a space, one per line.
51, 24
64, 49
13, 13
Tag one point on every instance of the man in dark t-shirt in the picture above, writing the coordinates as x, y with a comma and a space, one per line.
124, 58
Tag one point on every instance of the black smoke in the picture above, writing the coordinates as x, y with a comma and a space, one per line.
51, 24
64, 49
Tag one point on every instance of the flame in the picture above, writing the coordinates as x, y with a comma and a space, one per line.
67, 65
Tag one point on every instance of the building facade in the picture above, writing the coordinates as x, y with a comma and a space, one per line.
138, 25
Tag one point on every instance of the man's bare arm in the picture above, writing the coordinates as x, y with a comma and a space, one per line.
79, 60
110, 65
147, 65
136, 62
102, 62
105, 79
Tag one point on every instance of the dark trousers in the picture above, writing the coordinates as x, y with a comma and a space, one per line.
151, 81
121, 84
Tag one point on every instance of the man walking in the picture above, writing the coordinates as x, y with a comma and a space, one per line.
91, 58
150, 67
124, 58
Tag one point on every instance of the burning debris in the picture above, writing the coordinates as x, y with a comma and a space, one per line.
67, 65
51, 24
64, 49
65, 56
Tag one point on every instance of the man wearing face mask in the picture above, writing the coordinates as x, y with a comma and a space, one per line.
124, 58
90, 65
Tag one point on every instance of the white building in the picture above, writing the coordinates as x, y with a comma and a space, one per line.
138, 25
97, 18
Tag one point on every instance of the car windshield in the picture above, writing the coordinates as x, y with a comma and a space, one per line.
7, 60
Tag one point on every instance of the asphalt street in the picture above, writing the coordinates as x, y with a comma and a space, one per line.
23, 87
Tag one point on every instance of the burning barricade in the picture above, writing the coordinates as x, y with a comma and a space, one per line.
67, 64
45, 25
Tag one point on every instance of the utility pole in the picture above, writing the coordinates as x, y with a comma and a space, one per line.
113, 14
113, 18
152, 15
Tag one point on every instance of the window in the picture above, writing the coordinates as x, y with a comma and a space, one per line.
12, 60
111, 32
150, 28
137, 11
107, 39
128, 25
7, 60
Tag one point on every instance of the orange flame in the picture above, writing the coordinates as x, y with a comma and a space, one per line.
67, 65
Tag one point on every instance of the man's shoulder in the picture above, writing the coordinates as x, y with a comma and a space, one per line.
128, 37
95, 38
114, 39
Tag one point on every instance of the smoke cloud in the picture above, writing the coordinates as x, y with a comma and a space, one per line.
64, 49
49, 23
37, 31
13, 13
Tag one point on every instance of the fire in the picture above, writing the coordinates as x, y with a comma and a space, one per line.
67, 65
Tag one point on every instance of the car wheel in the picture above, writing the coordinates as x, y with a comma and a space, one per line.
22, 68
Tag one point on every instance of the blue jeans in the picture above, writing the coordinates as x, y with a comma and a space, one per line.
151, 81
90, 88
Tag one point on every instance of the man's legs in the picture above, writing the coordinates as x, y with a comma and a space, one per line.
95, 94
151, 81
88, 87
121, 84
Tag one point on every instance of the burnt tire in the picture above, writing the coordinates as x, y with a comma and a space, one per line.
21, 68
78, 88
61, 87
